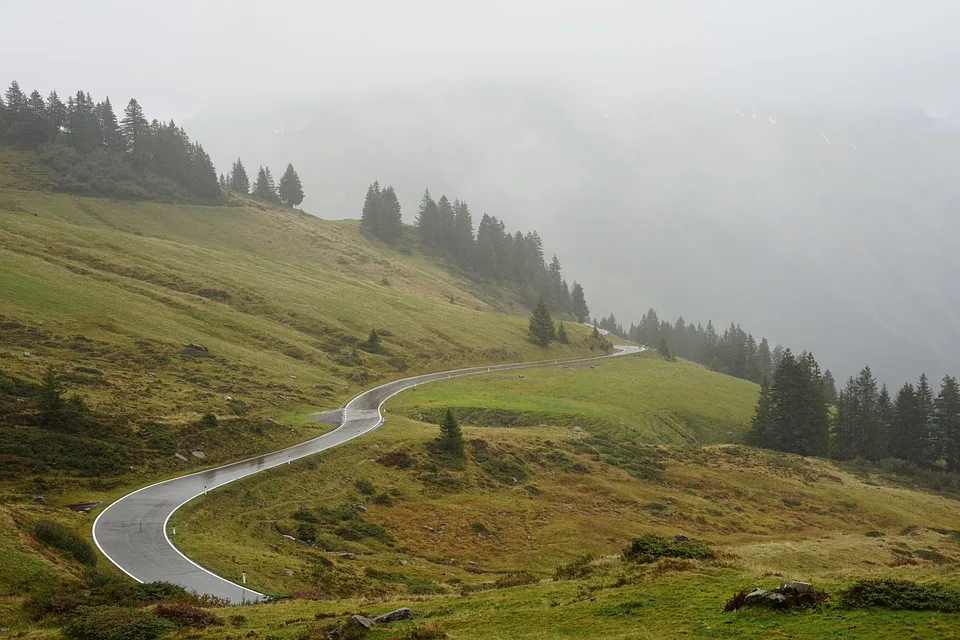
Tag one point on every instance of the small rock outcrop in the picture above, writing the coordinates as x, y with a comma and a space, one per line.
766, 598
199, 454
681, 538
403, 613
795, 586
193, 346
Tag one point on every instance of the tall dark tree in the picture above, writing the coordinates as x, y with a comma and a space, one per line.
925, 412
451, 437
239, 181
134, 130
428, 221
829, 387
906, 432
463, 242
110, 137
562, 336
580, 308
945, 440
391, 222
542, 331
371, 216
290, 189
264, 188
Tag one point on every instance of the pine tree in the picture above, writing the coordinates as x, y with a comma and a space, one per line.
391, 221
56, 114
110, 137
762, 427
50, 401
290, 190
428, 221
370, 218
541, 325
451, 437
373, 344
906, 434
925, 411
134, 130
829, 387
263, 188
463, 243
946, 425
664, 349
562, 334
580, 308
239, 181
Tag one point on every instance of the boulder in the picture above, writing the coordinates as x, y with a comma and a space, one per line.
355, 627
765, 598
197, 347
199, 454
346, 555
681, 538
180, 457
39, 499
795, 586
403, 613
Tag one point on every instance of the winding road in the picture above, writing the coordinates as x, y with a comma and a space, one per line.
132, 532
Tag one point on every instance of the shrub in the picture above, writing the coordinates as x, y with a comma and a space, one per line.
902, 594
185, 615
7, 385
399, 459
579, 568
209, 420
383, 499
59, 537
516, 579
116, 623
650, 547
874, 534
365, 487
428, 631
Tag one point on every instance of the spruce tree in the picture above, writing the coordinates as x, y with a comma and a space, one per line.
239, 181
290, 189
580, 308
925, 410
263, 188
451, 437
829, 387
134, 130
110, 137
906, 434
428, 221
370, 218
562, 334
463, 243
541, 325
762, 427
391, 221
664, 349
945, 441
50, 401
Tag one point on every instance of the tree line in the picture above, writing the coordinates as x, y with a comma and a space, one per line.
288, 192
490, 251
917, 426
733, 352
96, 153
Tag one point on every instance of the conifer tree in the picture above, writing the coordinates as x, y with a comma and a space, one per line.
370, 218
451, 437
428, 221
263, 188
541, 325
239, 181
925, 411
906, 433
945, 441
463, 243
110, 137
829, 387
391, 221
290, 189
580, 308
664, 349
562, 334
134, 130
762, 428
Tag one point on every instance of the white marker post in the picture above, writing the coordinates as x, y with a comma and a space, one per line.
204, 489
174, 531
244, 576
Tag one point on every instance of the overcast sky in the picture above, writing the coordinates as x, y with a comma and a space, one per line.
177, 56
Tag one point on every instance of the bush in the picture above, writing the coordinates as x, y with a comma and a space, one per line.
650, 547
902, 594
116, 623
579, 568
428, 631
874, 534
516, 579
365, 487
185, 615
209, 419
59, 537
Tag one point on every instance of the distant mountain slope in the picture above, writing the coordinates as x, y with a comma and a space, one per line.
819, 227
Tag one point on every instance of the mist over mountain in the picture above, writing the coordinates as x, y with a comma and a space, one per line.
824, 227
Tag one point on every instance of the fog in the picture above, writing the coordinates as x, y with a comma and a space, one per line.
786, 165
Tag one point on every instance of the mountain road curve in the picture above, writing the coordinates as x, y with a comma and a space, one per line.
132, 532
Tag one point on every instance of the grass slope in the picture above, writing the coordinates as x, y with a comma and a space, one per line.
112, 292
644, 397
448, 539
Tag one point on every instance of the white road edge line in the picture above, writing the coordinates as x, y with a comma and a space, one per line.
459, 372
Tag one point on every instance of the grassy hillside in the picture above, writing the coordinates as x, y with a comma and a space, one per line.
453, 540
644, 397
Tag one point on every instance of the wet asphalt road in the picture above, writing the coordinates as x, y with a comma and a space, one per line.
132, 532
